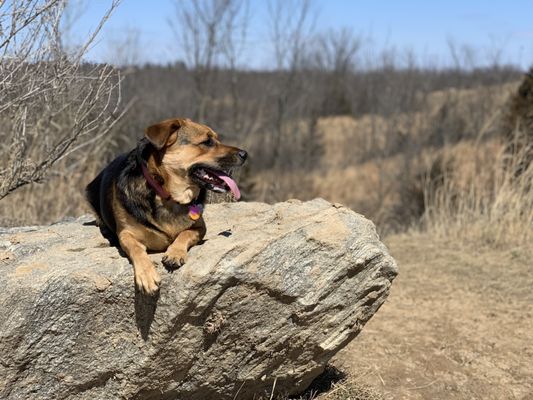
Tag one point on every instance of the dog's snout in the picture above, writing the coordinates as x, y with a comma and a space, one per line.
243, 155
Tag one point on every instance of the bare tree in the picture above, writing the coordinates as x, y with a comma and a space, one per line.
52, 103
232, 46
334, 55
336, 50
290, 27
463, 56
209, 32
66, 37
125, 48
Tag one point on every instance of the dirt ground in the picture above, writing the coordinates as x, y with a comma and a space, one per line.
458, 324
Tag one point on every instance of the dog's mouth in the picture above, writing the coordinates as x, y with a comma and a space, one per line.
214, 179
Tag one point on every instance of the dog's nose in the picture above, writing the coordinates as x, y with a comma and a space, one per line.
243, 155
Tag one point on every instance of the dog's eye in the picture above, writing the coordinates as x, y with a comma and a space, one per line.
209, 142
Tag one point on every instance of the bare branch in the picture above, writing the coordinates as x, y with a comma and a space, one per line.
50, 100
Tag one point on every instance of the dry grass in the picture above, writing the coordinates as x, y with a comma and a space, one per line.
59, 196
332, 384
351, 390
379, 165
481, 199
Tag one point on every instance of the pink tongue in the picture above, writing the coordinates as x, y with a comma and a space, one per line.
231, 184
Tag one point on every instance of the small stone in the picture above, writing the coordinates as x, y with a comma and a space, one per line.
101, 283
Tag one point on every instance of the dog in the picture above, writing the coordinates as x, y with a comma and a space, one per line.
151, 199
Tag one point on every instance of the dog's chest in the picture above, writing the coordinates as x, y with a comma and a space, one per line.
173, 220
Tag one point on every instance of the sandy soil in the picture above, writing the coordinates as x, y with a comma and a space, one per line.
457, 325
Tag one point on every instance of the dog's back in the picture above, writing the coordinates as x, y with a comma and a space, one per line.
99, 194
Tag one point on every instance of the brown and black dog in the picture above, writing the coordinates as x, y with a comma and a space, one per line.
151, 198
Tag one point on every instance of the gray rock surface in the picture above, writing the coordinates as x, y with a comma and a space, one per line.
269, 297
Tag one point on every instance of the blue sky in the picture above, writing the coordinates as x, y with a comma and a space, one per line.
423, 27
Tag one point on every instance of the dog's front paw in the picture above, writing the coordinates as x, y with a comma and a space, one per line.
174, 261
147, 280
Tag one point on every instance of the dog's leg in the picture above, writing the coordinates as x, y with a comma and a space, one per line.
176, 254
146, 276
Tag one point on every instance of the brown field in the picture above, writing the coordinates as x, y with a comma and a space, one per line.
457, 325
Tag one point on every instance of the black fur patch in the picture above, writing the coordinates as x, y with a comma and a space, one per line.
132, 190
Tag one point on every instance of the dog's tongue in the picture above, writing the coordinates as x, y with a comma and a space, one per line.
231, 184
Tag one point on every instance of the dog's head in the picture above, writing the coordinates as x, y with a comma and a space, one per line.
190, 156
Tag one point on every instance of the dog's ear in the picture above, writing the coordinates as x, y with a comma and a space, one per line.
164, 133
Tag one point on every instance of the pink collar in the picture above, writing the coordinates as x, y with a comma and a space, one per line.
156, 186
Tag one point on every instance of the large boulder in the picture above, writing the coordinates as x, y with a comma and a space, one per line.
269, 297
